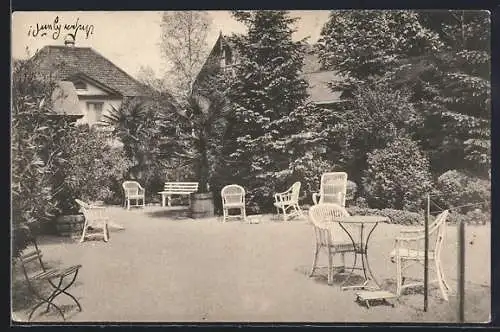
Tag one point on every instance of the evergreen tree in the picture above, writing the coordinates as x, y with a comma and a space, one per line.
441, 57
265, 134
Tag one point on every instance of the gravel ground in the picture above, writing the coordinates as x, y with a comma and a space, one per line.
165, 267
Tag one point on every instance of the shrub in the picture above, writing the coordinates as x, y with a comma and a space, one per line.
457, 188
472, 217
352, 189
34, 155
401, 217
398, 176
92, 167
308, 170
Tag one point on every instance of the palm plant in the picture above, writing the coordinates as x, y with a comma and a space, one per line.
205, 111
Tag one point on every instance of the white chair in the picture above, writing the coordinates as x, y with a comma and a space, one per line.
330, 237
233, 197
94, 219
288, 200
333, 189
133, 192
409, 250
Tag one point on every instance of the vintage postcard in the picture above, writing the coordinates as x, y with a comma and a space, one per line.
319, 166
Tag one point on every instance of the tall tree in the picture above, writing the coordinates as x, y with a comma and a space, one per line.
184, 47
441, 57
265, 135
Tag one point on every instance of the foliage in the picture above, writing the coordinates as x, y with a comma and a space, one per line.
363, 45
92, 167
352, 189
184, 47
398, 176
456, 188
472, 217
400, 217
140, 124
266, 132
442, 58
34, 155
378, 115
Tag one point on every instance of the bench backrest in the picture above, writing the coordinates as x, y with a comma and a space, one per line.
181, 187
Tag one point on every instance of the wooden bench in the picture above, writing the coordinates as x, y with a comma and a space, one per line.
177, 188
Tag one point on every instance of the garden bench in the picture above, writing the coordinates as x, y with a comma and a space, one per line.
177, 188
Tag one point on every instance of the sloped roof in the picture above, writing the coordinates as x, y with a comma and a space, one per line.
70, 61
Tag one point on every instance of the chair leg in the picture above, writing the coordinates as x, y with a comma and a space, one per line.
441, 285
106, 232
330, 267
315, 260
128, 204
244, 213
84, 231
441, 272
399, 276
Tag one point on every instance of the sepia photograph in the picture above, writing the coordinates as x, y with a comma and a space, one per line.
251, 166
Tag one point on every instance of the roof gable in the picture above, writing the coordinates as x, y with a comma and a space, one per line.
70, 61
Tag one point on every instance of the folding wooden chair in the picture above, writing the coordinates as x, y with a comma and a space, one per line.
35, 271
94, 219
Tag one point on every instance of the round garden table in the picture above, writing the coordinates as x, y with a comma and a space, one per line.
365, 224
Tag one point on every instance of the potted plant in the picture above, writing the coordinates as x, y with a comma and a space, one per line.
205, 111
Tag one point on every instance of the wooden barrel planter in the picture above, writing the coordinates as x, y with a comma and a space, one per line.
202, 205
70, 225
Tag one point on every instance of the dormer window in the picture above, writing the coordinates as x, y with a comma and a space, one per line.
80, 85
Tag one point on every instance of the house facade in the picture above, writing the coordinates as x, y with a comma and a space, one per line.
88, 85
223, 57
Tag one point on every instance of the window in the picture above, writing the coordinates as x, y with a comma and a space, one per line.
79, 85
94, 111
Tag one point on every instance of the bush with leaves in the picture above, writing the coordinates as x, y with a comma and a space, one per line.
457, 188
34, 154
400, 217
398, 176
92, 166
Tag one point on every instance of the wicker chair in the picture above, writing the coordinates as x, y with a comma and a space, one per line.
233, 197
133, 191
288, 201
409, 250
329, 236
94, 219
333, 189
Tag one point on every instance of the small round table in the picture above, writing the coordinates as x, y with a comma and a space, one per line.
361, 247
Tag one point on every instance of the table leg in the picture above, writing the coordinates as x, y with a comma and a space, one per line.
362, 250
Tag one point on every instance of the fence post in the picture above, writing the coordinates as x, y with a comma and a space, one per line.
461, 272
426, 252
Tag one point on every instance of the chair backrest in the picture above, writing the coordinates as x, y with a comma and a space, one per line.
321, 217
131, 188
31, 261
437, 233
295, 192
92, 216
233, 194
181, 187
333, 188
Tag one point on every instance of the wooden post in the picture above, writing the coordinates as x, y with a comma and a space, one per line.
461, 272
426, 252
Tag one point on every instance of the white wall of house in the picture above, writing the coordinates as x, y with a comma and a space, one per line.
95, 103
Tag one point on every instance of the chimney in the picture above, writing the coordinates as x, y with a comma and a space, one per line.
69, 40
